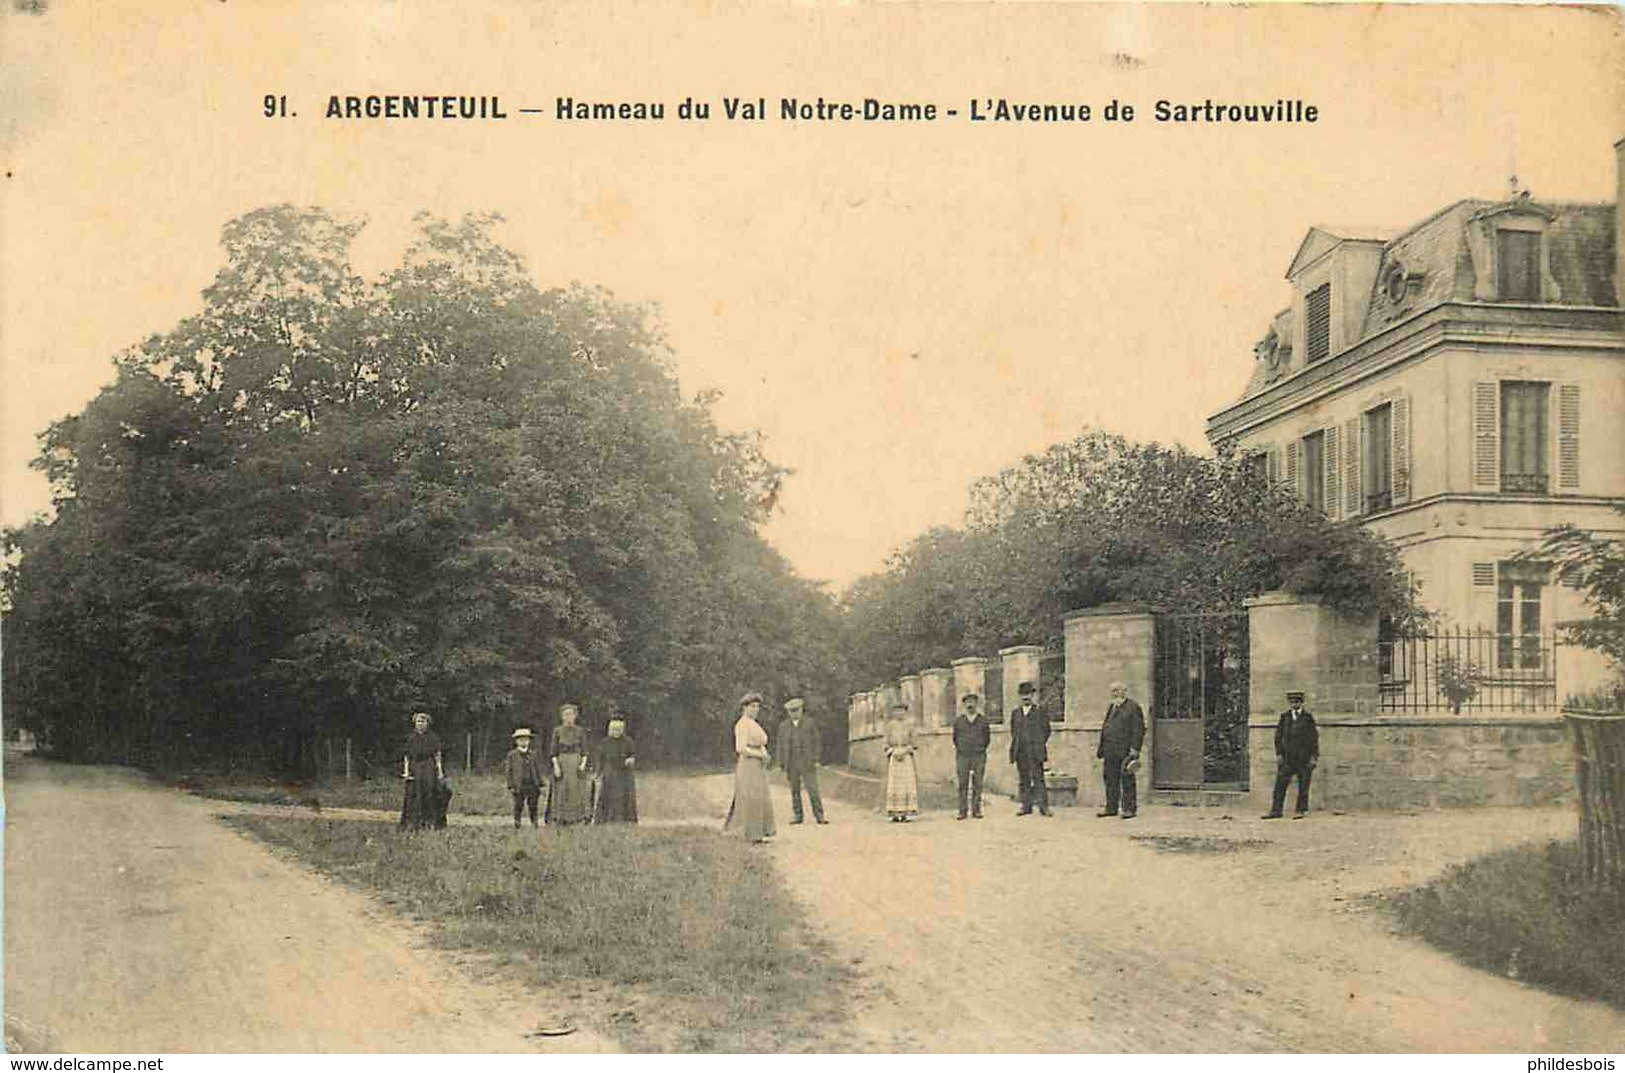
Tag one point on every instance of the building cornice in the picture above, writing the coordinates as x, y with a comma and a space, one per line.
1478, 324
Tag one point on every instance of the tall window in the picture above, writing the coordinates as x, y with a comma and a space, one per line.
1314, 470
1517, 266
1523, 435
1317, 306
1257, 468
1379, 472
1517, 616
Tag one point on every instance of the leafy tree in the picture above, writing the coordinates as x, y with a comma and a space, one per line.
1101, 519
1595, 565
322, 501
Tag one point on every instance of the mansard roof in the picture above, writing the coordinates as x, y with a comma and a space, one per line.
1431, 262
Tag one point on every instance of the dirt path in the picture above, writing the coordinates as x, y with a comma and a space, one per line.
1067, 934
136, 922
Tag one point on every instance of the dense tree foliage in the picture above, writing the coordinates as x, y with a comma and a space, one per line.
323, 501
1100, 519
1595, 565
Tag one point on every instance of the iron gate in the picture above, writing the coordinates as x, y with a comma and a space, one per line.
1200, 707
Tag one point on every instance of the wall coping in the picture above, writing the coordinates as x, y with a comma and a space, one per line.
1476, 719
935, 670
1280, 599
1593, 713
965, 661
1123, 609
1015, 650
908, 678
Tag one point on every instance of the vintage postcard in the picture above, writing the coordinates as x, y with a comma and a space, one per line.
527, 527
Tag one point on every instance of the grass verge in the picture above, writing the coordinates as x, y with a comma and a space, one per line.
1525, 912
671, 795
667, 939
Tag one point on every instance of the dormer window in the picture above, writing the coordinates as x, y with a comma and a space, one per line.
1317, 306
1517, 266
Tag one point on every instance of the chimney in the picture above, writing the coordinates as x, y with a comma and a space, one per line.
1619, 222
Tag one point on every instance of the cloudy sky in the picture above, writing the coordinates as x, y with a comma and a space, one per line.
901, 308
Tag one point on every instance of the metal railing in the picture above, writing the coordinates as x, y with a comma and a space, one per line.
1468, 671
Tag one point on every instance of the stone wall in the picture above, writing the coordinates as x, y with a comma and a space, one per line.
1438, 761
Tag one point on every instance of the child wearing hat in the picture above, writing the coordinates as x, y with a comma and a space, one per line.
523, 766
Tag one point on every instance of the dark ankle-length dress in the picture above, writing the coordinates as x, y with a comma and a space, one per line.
421, 807
568, 801
617, 787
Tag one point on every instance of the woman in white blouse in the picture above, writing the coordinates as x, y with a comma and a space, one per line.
751, 811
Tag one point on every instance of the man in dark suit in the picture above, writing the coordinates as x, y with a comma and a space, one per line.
1121, 736
971, 738
800, 749
1297, 751
1029, 749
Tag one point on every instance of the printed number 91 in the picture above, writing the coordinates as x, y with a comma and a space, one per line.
275, 106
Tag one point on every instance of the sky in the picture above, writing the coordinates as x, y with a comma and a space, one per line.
901, 308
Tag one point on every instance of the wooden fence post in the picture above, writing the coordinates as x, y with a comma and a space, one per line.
347, 767
1599, 767
468, 753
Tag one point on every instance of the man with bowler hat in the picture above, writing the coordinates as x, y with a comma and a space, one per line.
971, 738
800, 749
1297, 750
1029, 749
1121, 736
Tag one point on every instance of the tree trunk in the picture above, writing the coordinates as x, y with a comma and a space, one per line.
1599, 761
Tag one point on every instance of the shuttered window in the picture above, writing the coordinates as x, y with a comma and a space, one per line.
1487, 435
1517, 266
1379, 476
1351, 468
1318, 323
1314, 470
1523, 436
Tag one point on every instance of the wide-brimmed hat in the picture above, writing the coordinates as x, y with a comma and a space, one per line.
794, 704
522, 732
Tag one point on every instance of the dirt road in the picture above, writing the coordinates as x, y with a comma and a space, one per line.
1177, 931
136, 922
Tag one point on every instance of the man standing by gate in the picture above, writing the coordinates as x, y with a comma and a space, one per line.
1029, 749
800, 749
1297, 751
1121, 736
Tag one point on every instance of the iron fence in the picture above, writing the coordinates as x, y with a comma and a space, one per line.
1468, 671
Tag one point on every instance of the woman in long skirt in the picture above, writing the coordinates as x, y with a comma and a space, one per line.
568, 798
424, 771
752, 811
617, 788
902, 782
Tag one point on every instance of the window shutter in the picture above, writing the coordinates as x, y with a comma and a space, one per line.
1568, 437
1399, 449
1486, 435
1292, 451
1351, 468
1331, 471
1273, 466
1483, 574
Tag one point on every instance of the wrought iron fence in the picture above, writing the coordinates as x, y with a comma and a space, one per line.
1202, 674
1468, 671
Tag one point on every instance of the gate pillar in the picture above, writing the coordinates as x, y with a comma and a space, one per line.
1106, 644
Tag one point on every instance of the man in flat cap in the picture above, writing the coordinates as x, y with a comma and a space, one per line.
800, 749
1029, 749
971, 738
1297, 751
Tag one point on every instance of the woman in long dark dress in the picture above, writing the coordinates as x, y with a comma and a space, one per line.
569, 800
617, 790
424, 771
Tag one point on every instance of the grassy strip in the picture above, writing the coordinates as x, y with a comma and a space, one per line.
1525, 912
705, 948
674, 795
